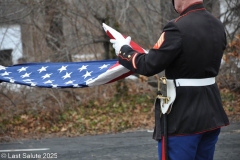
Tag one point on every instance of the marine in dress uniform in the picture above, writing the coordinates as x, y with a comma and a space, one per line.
189, 48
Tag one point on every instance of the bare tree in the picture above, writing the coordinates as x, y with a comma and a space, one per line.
230, 17
230, 69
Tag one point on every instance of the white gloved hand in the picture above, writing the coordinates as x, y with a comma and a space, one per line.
119, 42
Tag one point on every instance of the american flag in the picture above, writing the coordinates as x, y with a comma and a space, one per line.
68, 74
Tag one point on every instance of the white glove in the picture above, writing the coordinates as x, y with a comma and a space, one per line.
119, 42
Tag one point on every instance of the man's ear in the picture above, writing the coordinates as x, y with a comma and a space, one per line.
174, 6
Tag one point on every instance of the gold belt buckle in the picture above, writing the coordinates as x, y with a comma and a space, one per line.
162, 90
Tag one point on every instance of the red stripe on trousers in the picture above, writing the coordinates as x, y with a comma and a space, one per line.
163, 149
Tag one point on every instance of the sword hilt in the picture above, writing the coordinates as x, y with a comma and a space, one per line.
162, 90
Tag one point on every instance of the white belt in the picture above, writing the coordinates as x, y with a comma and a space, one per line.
195, 82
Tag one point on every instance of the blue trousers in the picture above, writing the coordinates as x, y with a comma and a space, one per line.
191, 147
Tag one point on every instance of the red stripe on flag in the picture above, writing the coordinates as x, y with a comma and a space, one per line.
121, 77
115, 65
110, 35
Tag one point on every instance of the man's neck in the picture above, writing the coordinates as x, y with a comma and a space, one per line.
184, 4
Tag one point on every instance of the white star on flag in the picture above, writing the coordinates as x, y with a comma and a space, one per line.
33, 84
63, 68
5, 73
103, 66
46, 76
87, 74
12, 81
76, 85
2, 68
26, 75
82, 68
42, 69
22, 69
49, 81
89, 80
54, 85
28, 80
70, 82
67, 75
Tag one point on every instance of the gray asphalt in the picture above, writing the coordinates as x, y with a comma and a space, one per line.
137, 145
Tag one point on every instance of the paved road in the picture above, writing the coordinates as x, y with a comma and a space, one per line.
122, 146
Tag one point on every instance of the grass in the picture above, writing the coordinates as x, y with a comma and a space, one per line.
121, 112
107, 112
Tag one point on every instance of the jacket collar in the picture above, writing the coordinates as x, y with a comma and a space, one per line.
194, 6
